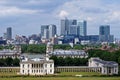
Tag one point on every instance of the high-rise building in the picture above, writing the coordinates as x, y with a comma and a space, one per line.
104, 34
73, 30
104, 30
82, 28
46, 34
52, 30
67, 27
64, 26
43, 27
48, 31
9, 33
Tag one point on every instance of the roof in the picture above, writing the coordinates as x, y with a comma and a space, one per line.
25, 58
9, 52
69, 52
105, 63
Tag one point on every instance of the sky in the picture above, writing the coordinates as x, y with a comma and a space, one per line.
26, 16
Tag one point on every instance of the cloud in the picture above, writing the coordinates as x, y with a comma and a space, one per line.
63, 14
10, 11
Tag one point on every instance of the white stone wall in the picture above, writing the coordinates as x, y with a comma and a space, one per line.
48, 68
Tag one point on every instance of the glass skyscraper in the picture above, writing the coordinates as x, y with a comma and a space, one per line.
48, 31
82, 28
104, 34
9, 33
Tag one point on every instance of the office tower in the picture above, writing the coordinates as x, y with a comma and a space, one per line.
67, 26
48, 31
52, 30
64, 26
46, 34
73, 30
104, 34
82, 28
9, 33
104, 30
43, 27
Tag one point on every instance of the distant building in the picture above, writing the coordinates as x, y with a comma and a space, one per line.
48, 31
43, 28
15, 53
73, 30
66, 53
52, 30
68, 27
3, 42
104, 34
82, 28
64, 26
9, 33
70, 53
107, 67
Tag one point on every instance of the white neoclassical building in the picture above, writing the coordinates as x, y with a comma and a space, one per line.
107, 67
36, 66
15, 53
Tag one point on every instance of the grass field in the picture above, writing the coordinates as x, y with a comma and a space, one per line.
62, 78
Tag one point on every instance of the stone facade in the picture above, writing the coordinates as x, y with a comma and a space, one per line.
36, 66
15, 53
107, 67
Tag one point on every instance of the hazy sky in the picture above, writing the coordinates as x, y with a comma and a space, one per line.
26, 16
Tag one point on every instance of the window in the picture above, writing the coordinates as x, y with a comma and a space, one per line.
23, 71
50, 70
115, 70
41, 71
46, 71
32, 65
23, 65
32, 71
50, 65
46, 65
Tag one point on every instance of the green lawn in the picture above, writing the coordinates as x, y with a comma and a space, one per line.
79, 73
63, 78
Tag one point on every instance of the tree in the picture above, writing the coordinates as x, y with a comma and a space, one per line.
16, 62
2, 62
9, 61
119, 59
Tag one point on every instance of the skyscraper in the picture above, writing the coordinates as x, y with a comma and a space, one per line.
104, 33
104, 30
64, 26
82, 28
67, 27
9, 33
52, 30
43, 27
48, 31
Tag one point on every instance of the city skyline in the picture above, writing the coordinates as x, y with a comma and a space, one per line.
26, 16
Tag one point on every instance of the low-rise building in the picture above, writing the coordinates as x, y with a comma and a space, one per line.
65, 53
36, 66
107, 67
70, 53
15, 53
